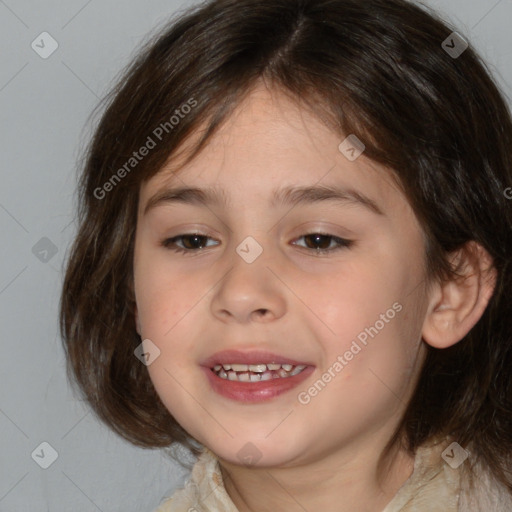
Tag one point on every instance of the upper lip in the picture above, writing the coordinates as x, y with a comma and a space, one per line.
248, 357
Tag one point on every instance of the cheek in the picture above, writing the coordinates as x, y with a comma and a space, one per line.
163, 295
167, 306
175, 390
355, 300
369, 384
383, 372
375, 349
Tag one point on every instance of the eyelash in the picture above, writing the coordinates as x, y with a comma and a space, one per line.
170, 243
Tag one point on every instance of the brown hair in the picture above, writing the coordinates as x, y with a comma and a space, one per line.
375, 68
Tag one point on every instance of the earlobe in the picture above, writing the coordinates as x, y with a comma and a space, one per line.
457, 305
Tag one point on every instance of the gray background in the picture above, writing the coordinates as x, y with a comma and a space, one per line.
44, 106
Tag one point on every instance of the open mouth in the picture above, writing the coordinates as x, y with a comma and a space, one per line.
256, 372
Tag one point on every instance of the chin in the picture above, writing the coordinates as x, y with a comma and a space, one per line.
257, 453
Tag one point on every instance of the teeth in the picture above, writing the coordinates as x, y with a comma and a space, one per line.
256, 372
239, 367
259, 368
297, 370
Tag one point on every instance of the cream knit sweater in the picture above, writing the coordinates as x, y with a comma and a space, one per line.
434, 486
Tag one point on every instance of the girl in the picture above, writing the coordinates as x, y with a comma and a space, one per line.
294, 259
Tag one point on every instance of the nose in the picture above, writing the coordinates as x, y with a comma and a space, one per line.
249, 292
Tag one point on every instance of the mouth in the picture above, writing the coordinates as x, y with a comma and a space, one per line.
253, 376
257, 372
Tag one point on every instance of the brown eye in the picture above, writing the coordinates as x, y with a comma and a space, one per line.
322, 242
190, 242
194, 241
318, 241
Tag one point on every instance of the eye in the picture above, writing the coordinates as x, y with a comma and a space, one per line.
194, 241
319, 243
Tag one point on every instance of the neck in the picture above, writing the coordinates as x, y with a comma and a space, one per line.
345, 480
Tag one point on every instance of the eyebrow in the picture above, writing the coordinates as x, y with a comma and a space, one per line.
286, 196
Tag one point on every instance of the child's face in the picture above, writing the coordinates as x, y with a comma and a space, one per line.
193, 305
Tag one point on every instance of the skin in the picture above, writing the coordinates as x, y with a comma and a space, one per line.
297, 304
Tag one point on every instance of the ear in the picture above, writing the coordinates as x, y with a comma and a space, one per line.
456, 306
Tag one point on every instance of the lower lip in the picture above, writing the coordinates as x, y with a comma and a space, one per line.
253, 392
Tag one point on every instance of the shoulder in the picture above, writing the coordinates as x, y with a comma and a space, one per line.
480, 491
450, 478
432, 486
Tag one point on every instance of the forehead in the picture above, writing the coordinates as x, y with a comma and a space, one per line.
270, 142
